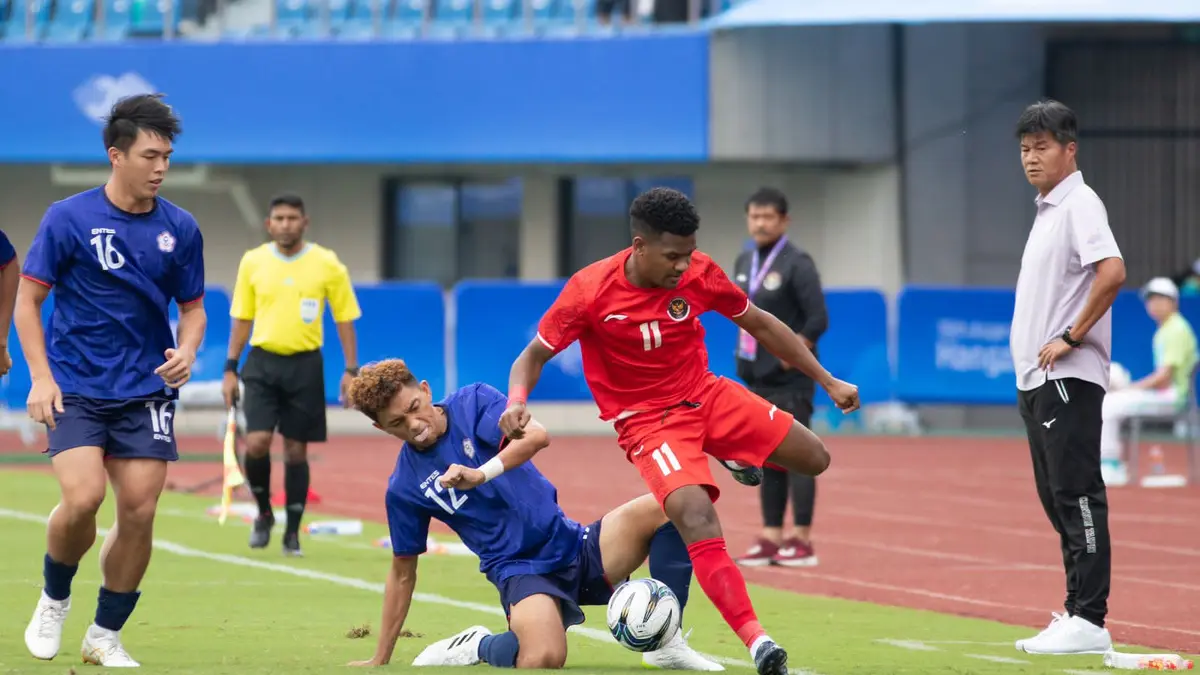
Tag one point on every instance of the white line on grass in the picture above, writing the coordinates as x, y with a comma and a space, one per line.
997, 659
350, 582
914, 645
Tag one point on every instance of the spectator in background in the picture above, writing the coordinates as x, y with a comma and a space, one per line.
1160, 393
782, 280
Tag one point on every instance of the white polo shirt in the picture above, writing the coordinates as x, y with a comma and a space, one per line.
1069, 236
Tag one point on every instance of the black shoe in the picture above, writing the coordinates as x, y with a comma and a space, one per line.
291, 544
770, 659
746, 475
261, 535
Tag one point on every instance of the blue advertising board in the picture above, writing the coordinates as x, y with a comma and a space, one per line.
404, 320
952, 345
581, 100
953, 348
495, 320
854, 348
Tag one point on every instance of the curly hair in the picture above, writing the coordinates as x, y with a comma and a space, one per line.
660, 210
372, 390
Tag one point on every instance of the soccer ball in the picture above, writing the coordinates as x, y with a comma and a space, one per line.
643, 615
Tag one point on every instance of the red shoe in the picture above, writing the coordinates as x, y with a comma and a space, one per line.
795, 553
760, 554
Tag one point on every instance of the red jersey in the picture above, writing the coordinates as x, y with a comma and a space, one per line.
643, 348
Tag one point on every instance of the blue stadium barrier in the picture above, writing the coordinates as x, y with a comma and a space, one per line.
953, 348
210, 359
400, 320
951, 344
496, 319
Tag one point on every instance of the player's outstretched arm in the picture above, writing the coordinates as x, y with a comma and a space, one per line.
514, 454
397, 598
775, 336
522, 378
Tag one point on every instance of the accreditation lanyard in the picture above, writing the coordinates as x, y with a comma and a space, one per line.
747, 345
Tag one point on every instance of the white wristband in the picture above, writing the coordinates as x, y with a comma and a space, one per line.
492, 468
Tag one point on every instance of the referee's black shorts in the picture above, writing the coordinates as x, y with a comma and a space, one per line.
285, 393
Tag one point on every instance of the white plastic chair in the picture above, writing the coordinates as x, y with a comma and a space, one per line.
1189, 415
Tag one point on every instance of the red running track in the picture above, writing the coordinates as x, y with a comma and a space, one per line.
950, 525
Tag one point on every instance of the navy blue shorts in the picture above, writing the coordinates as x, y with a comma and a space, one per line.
578, 584
135, 428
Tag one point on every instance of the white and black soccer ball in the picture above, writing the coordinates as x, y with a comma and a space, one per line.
643, 615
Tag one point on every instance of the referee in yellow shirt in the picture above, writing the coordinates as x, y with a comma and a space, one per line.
281, 291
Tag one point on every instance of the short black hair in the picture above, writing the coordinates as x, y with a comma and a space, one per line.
769, 196
287, 199
663, 210
1049, 116
137, 113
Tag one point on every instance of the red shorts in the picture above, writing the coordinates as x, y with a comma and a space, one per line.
670, 447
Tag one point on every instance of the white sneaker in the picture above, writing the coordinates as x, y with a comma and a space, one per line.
459, 650
102, 647
677, 655
1076, 635
43, 636
1055, 623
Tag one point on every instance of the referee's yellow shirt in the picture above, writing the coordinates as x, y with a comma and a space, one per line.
285, 296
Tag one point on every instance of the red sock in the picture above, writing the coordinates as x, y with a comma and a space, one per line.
722, 582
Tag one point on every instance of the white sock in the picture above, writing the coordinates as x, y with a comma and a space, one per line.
758, 643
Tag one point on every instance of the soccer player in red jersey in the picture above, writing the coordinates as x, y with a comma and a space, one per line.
636, 316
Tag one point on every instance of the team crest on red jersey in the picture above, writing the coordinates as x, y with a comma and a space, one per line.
678, 309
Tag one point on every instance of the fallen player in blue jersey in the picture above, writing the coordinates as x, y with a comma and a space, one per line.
545, 565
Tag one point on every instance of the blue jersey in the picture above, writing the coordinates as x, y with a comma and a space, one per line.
7, 252
114, 274
513, 523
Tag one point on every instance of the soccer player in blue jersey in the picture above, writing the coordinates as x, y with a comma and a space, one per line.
106, 371
10, 275
545, 565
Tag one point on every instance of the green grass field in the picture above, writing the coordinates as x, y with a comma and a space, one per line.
211, 605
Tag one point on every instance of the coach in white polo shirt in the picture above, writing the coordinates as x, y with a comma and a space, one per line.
1061, 342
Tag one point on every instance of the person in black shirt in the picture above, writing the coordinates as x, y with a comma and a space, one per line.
782, 280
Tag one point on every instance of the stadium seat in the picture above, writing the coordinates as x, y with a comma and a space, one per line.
501, 17
295, 19
15, 27
149, 17
117, 21
357, 22
72, 21
406, 19
452, 17
573, 15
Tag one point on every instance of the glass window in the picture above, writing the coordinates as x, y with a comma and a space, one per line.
449, 230
598, 218
490, 230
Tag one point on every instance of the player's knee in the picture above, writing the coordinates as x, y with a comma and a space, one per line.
542, 656
82, 500
294, 452
258, 444
820, 458
136, 514
692, 511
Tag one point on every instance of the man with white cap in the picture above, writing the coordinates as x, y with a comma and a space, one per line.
1160, 393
